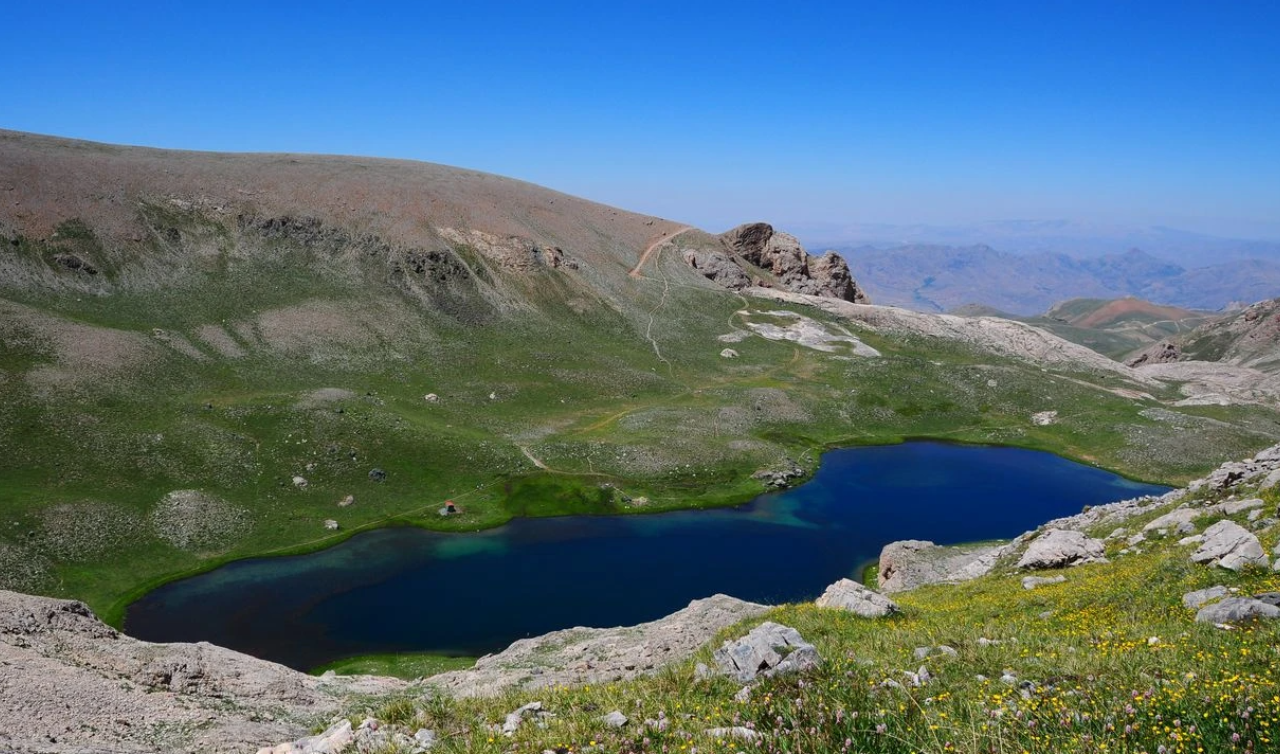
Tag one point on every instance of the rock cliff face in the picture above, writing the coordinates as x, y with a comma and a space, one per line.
781, 258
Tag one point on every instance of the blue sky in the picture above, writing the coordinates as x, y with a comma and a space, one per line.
805, 114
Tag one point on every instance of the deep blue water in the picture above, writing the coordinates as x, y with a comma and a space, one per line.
413, 590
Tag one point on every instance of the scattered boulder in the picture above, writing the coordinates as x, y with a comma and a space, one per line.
912, 563
431, 398
1236, 610
847, 594
1231, 546
300, 482
1059, 548
1034, 582
729, 353
1044, 418
769, 649
1200, 597
335, 739
1271, 598
614, 719
514, 719
377, 475
330, 524
1173, 519
347, 501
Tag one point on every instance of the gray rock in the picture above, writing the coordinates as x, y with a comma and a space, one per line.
717, 266
912, 563
737, 732
1231, 546
377, 475
1232, 507
1236, 610
76, 679
1271, 598
1271, 480
598, 655
1173, 519
743, 696
424, 739
1186, 527
796, 270
1035, 582
1199, 597
1136, 539
1058, 548
513, 720
614, 719
847, 594
769, 649
729, 353
1194, 539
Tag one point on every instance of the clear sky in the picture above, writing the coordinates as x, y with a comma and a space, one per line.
714, 113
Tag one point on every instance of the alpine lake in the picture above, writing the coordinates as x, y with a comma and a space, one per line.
412, 590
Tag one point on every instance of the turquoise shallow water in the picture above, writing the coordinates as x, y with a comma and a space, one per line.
413, 590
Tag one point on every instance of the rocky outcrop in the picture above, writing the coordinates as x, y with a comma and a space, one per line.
1059, 548
88, 687
849, 595
717, 266
913, 563
1162, 352
781, 257
1230, 546
598, 655
769, 649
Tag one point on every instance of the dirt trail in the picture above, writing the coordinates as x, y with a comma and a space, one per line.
534, 459
648, 252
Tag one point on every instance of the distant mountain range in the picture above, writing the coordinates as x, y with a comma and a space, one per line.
1074, 239
934, 277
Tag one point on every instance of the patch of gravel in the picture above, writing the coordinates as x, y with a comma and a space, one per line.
21, 569
78, 531
195, 520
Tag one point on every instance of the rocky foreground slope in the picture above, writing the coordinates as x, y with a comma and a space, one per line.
72, 684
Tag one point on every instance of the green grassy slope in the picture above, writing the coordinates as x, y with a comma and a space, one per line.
224, 347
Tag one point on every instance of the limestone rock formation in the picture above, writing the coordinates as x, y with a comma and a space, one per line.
769, 649
847, 594
1058, 548
912, 563
1237, 610
596, 655
1231, 546
1162, 352
779, 255
93, 689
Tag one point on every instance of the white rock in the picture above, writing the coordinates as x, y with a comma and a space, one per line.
1199, 597
1034, 582
847, 594
1231, 546
729, 353
1057, 548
